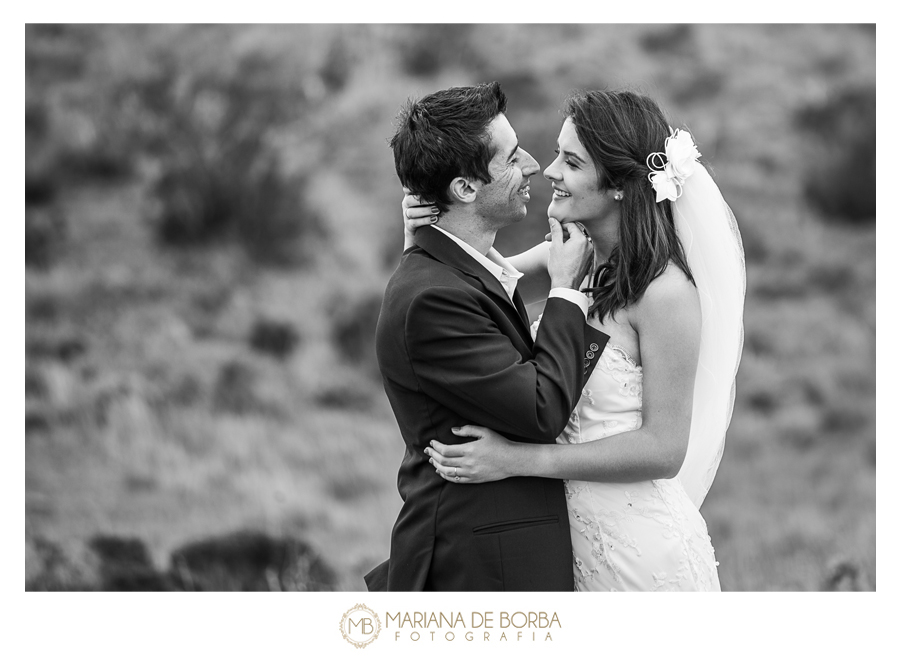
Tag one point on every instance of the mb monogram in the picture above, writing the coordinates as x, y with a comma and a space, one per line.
360, 626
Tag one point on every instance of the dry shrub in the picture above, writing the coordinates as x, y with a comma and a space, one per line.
48, 568
699, 86
840, 178
845, 575
524, 89
220, 175
798, 426
670, 40
55, 343
242, 561
427, 49
351, 394
235, 390
70, 128
184, 391
45, 235
250, 561
339, 63
274, 337
125, 565
353, 330
355, 487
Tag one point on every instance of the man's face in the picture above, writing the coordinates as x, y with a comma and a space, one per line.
503, 200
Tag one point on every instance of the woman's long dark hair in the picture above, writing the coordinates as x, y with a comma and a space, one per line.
619, 129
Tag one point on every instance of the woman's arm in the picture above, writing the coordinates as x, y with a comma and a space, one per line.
668, 323
535, 285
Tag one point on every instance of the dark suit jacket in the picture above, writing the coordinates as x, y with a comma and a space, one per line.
454, 350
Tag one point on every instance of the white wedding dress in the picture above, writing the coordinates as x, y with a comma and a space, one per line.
649, 536
640, 536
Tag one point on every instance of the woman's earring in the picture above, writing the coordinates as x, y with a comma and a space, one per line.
618, 196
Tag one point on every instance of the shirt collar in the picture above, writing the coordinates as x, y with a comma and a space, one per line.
493, 262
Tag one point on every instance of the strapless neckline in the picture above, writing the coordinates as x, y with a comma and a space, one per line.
615, 348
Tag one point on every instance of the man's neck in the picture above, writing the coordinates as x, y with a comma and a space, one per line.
469, 231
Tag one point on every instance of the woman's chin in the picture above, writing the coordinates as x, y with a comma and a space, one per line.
557, 213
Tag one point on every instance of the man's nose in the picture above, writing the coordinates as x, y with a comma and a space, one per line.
531, 166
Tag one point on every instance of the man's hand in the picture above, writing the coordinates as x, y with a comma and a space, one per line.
416, 213
571, 255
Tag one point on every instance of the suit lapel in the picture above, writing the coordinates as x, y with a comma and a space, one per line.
448, 252
520, 307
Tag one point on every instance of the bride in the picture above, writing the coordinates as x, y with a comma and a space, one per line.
643, 444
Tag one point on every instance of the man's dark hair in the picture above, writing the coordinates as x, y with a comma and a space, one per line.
444, 135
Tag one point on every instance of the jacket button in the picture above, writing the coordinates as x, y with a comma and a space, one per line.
589, 354
586, 364
594, 347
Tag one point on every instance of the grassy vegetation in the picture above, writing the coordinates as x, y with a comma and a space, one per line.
211, 217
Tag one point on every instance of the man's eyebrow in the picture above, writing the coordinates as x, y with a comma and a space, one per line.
513, 152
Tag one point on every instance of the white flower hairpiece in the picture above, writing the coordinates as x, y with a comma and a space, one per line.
672, 168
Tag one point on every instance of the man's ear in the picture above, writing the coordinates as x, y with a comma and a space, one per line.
463, 190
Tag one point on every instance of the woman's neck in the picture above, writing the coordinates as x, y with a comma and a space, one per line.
605, 237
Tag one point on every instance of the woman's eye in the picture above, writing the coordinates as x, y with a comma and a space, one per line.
568, 162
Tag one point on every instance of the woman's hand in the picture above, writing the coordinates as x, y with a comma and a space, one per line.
416, 213
486, 459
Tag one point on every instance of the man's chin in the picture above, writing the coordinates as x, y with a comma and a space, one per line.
519, 214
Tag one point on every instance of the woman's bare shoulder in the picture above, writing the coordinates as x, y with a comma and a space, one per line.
671, 293
672, 283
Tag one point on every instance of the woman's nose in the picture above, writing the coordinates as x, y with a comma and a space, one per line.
550, 172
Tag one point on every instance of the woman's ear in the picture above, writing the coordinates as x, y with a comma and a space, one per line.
463, 190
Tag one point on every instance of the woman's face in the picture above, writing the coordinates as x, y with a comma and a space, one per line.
576, 184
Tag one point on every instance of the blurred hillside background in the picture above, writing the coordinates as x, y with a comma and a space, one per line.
212, 214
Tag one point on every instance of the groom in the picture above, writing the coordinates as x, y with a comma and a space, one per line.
454, 348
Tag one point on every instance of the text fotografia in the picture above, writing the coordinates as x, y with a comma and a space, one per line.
478, 626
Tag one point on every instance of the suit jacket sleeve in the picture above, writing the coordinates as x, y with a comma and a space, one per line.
461, 358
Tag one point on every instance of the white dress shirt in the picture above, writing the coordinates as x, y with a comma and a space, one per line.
509, 276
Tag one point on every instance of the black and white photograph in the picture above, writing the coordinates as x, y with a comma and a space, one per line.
450, 307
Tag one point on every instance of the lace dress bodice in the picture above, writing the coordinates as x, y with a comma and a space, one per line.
630, 536
609, 404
